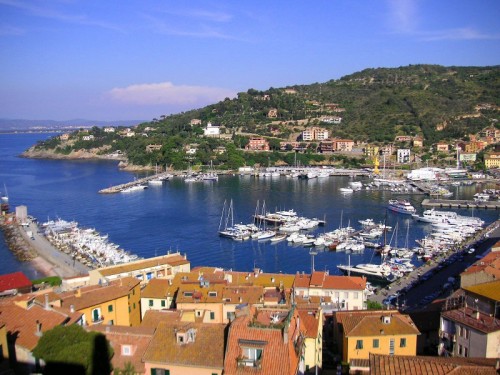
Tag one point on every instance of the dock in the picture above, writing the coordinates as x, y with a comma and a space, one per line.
453, 203
139, 181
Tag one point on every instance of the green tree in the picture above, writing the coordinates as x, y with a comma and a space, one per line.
73, 347
128, 369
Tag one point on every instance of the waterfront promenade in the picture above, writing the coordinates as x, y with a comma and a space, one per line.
433, 277
50, 261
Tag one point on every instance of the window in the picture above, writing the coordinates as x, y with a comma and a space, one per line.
150, 303
466, 351
212, 315
159, 371
402, 342
96, 315
126, 350
337, 295
163, 303
188, 294
356, 295
134, 305
346, 295
251, 356
110, 308
212, 294
391, 347
359, 344
466, 333
375, 343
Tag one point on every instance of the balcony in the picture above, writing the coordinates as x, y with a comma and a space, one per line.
246, 362
99, 320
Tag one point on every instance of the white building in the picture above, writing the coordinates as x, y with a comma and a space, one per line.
403, 155
338, 292
211, 130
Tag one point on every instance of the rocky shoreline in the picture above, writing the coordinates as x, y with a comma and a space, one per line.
21, 249
123, 164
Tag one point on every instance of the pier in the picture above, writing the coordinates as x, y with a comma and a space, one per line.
139, 181
453, 203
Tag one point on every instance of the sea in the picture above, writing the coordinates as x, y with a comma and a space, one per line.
185, 217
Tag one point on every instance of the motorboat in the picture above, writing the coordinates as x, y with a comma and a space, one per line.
346, 190
401, 206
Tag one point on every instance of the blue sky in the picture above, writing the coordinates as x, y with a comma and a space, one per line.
123, 59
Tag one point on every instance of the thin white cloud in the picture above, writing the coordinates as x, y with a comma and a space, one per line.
11, 30
403, 15
45, 12
166, 93
162, 26
206, 15
465, 33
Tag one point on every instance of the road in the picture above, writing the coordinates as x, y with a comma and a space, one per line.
434, 279
62, 264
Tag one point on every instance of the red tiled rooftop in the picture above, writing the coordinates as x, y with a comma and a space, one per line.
396, 365
16, 280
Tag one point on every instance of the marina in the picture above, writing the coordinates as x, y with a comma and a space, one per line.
185, 217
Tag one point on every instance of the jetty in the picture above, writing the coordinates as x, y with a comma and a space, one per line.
136, 182
453, 203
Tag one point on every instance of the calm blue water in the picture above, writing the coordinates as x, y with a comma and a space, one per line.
185, 217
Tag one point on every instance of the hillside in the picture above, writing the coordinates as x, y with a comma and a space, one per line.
374, 105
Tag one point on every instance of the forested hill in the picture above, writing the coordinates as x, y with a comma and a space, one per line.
433, 101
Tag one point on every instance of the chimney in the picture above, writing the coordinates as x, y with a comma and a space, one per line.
47, 305
477, 314
78, 292
72, 308
38, 331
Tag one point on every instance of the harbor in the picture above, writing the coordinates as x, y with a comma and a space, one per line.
459, 203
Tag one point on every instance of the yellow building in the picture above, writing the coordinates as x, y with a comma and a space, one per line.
116, 302
492, 160
312, 321
360, 333
4, 352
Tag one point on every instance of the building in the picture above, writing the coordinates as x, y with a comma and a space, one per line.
195, 121
24, 321
109, 129
272, 113
312, 321
211, 130
418, 142
344, 145
129, 345
492, 160
475, 146
179, 348
314, 134
403, 155
89, 137
158, 294
403, 138
64, 137
257, 144
265, 341
326, 145
485, 270
115, 302
337, 292
380, 364
151, 148
163, 267
360, 333
13, 283
470, 325
442, 147
331, 119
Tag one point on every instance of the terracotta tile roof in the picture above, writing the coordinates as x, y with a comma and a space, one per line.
370, 323
242, 294
97, 294
16, 280
489, 290
311, 301
22, 322
470, 317
159, 288
394, 365
490, 263
135, 339
153, 317
302, 280
325, 281
279, 354
207, 350
262, 279
310, 320
170, 259
195, 293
